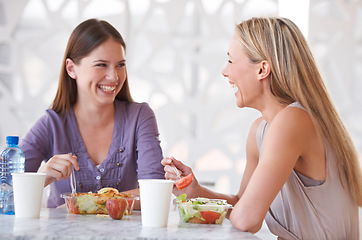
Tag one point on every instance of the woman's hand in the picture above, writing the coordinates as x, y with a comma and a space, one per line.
58, 167
193, 190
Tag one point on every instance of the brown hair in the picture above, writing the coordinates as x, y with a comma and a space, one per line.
295, 78
85, 37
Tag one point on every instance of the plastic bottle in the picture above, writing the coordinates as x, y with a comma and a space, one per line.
12, 159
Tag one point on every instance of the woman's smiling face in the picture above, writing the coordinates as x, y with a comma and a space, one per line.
100, 75
242, 74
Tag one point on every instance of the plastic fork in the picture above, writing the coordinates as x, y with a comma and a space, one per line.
72, 180
175, 169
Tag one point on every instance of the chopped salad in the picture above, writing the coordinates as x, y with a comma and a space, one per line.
202, 210
95, 203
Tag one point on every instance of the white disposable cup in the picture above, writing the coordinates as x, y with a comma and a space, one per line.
155, 197
28, 192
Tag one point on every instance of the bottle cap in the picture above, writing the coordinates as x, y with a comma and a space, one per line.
12, 140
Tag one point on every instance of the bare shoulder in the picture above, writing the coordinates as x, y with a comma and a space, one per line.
293, 112
292, 128
293, 117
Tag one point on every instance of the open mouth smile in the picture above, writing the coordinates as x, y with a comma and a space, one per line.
107, 88
233, 86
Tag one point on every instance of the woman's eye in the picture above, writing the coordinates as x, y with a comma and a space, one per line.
101, 65
122, 64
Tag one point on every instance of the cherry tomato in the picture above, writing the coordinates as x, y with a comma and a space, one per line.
210, 216
184, 182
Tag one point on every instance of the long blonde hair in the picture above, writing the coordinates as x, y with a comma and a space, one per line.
295, 78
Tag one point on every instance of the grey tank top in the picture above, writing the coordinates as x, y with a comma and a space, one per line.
311, 210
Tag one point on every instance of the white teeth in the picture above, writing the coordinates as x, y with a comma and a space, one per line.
233, 86
107, 88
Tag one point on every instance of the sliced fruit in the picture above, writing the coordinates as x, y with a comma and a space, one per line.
184, 182
108, 189
210, 216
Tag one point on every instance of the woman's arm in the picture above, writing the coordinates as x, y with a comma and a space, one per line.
149, 153
252, 156
196, 190
34, 145
38, 145
58, 167
284, 143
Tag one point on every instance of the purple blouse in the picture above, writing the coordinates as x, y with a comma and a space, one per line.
135, 151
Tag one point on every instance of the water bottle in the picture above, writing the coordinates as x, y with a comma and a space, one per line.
12, 160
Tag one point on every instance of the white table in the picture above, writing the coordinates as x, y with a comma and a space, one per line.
57, 224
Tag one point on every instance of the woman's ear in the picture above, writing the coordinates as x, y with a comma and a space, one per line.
69, 66
264, 69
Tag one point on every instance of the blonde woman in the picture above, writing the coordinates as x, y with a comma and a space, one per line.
302, 173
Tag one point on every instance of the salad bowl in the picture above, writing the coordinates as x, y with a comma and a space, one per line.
202, 210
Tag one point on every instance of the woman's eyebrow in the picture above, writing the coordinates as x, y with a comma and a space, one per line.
105, 61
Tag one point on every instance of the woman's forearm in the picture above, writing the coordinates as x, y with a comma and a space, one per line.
208, 193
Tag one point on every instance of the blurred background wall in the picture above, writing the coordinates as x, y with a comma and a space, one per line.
176, 50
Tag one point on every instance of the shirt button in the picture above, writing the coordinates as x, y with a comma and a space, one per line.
118, 164
101, 169
98, 177
121, 150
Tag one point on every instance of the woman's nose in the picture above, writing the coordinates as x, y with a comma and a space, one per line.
223, 72
112, 74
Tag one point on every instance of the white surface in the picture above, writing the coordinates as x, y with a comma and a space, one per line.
57, 224
28, 193
155, 197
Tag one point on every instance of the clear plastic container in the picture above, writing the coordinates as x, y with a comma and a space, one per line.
94, 203
203, 210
